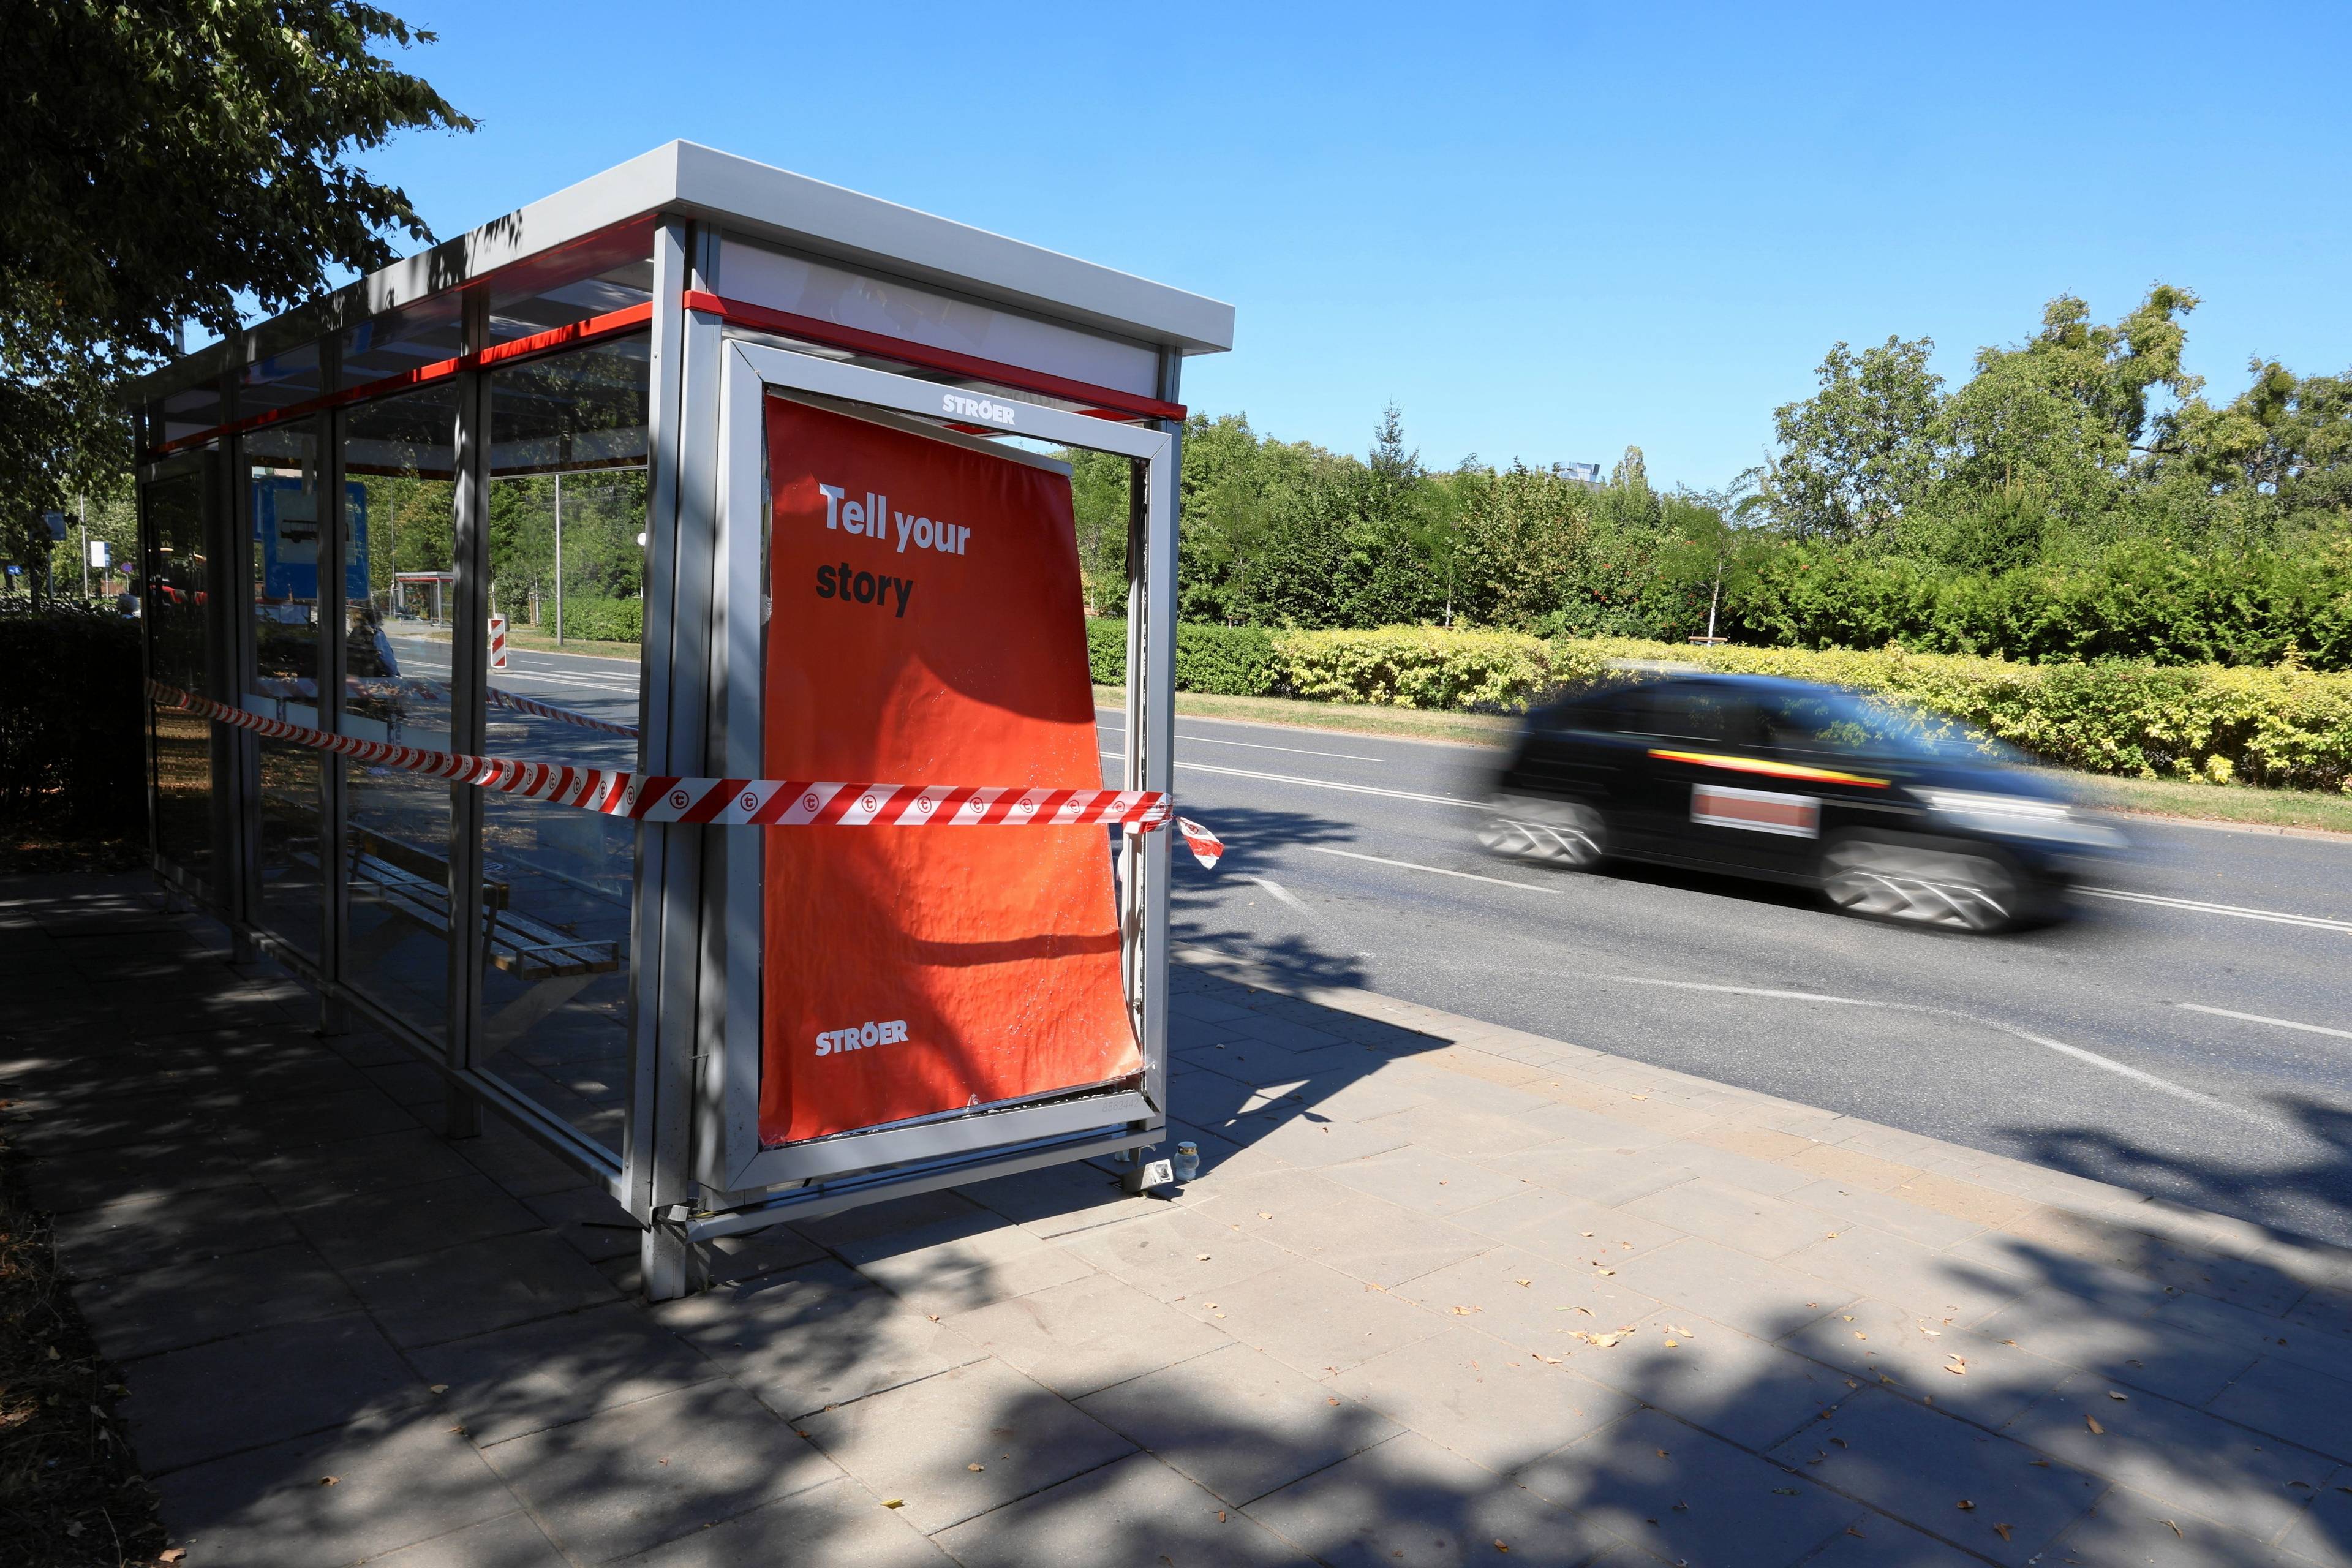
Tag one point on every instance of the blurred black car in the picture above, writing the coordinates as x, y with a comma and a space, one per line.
1887, 813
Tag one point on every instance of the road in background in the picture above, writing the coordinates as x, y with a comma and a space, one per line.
2187, 1034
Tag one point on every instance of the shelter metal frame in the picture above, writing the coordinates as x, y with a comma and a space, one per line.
690, 1165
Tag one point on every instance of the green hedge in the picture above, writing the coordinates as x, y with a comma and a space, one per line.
605, 620
1414, 667
70, 749
1233, 661
2137, 600
2282, 725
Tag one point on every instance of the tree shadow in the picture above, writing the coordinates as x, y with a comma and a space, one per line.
1046, 1369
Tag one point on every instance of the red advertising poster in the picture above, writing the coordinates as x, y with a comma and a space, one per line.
927, 628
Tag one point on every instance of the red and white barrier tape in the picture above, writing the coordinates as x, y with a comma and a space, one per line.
765, 803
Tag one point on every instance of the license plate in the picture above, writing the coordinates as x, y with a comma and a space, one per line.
1756, 811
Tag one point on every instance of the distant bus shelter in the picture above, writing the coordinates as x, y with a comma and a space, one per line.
795, 462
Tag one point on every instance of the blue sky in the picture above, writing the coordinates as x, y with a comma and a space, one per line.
1546, 232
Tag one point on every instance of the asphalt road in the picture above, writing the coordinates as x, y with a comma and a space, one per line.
2104, 1046
2187, 1033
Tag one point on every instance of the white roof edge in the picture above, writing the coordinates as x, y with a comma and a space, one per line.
761, 202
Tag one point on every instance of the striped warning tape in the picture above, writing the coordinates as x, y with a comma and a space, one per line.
766, 802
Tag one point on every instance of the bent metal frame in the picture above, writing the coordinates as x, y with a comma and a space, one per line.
761, 282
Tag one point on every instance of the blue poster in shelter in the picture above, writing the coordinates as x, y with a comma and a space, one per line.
286, 527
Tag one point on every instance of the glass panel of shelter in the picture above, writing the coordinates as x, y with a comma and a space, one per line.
567, 528
399, 509
174, 592
283, 497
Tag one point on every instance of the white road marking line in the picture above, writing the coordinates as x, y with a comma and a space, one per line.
2149, 1078
2260, 1018
1745, 991
1255, 745
1294, 750
1281, 892
2317, 922
1324, 783
2093, 1058
1432, 871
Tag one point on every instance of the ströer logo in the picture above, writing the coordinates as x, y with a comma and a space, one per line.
976, 408
679, 797
832, 1042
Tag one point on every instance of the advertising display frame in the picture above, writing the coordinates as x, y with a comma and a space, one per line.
732, 1160
836, 298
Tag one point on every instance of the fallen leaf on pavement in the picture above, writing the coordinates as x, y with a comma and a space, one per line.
2002, 1529
1465, 1311
1523, 1284
1199, 1257
1958, 1371
1607, 1271
2038, 1464
1263, 1214
894, 1502
1967, 1506
173, 1555
2174, 1528
1673, 1344
1855, 1530
975, 1467
2093, 1423
329, 1480
440, 1388
2125, 1397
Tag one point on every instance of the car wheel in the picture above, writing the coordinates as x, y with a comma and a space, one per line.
1921, 883
1557, 832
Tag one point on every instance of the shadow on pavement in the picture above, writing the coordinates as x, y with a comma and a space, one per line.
1433, 1300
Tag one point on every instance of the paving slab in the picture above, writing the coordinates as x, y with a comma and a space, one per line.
188, 1303
1971, 1374
398, 1483
1408, 1500
477, 1285
1490, 1402
955, 1445
629, 1478
558, 1369
2233, 1476
1921, 1467
1716, 1378
1086, 1334
1314, 1318
841, 1524
1135, 1509
1688, 1497
808, 1338
1239, 1421
189, 1406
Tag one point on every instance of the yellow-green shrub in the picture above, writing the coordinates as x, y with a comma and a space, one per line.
1413, 666
2277, 726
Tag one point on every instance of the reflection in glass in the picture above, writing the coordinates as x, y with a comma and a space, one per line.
567, 513
400, 533
174, 598
283, 490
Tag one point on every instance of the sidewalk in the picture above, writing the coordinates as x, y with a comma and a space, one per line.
1443, 1293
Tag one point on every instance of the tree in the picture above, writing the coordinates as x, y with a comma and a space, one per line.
167, 160
1861, 448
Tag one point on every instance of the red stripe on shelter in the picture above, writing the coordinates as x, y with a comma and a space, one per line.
928, 624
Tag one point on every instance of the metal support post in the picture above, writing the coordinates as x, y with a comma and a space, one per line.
468, 658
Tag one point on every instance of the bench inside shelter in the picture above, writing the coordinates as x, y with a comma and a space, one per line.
412, 882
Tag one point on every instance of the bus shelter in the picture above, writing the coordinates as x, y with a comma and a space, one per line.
813, 880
